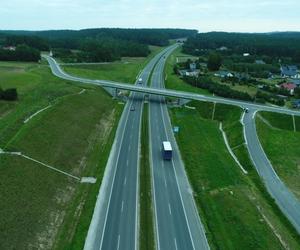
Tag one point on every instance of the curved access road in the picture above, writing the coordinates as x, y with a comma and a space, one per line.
285, 199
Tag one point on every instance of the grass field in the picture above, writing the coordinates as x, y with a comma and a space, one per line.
40, 208
236, 211
146, 212
282, 146
125, 70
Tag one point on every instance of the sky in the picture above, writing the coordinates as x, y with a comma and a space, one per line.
203, 15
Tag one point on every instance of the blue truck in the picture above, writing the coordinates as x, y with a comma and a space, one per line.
167, 151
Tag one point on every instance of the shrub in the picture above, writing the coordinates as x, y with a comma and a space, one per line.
9, 94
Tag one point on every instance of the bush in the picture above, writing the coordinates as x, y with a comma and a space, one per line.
9, 94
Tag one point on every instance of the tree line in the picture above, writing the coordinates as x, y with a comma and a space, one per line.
90, 44
22, 53
285, 44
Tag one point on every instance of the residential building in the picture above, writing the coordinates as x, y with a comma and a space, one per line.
296, 104
260, 62
290, 71
289, 87
223, 74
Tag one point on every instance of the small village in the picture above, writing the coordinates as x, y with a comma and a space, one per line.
277, 84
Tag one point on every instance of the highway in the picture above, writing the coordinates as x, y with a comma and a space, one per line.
177, 222
56, 70
115, 219
285, 199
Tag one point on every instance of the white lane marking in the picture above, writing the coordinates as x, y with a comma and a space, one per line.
129, 148
111, 189
118, 247
175, 242
165, 181
127, 163
122, 207
170, 211
125, 181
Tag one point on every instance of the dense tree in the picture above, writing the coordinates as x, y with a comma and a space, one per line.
214, 61
268, 44
22, 53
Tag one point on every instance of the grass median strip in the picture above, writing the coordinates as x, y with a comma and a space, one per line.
230, 203
146, 210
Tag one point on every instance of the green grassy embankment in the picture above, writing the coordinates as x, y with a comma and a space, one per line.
146, 212
74, 135
236, 210
282, 146
125, 70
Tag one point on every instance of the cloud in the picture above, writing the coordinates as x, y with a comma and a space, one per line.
205, 15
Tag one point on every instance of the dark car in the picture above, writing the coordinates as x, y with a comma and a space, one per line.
132, 108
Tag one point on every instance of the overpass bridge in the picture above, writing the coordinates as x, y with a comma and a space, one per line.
56, 70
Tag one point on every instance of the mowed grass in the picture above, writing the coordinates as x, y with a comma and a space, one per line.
125, 70
146, 211
37, 88
173, 81
281, 121
235, 212
40, 208
282, 146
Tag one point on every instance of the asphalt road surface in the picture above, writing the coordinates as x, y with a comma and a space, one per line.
177, 223
115, 220
285, 199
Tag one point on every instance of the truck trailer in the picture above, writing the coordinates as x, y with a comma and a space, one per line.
167, 150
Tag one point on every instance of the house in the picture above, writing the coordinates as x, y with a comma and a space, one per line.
296, 81
10, 48
296, 104
290, 71
193, 66
223, 74
223, 48
259, 62
185, 72
289, 87
246, 54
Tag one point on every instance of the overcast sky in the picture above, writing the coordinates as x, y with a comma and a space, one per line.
204, 15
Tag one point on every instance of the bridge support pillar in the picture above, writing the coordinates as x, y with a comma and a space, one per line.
116, 92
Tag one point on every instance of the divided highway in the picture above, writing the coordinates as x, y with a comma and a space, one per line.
169, 179
285, 199
115, 220
177, 222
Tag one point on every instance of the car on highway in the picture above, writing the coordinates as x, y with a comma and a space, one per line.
140, 80
246, 110
132, 108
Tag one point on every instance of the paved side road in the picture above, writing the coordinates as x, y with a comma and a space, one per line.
177, 222
285, 199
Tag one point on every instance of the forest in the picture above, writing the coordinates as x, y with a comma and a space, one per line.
276, 45
95, 45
